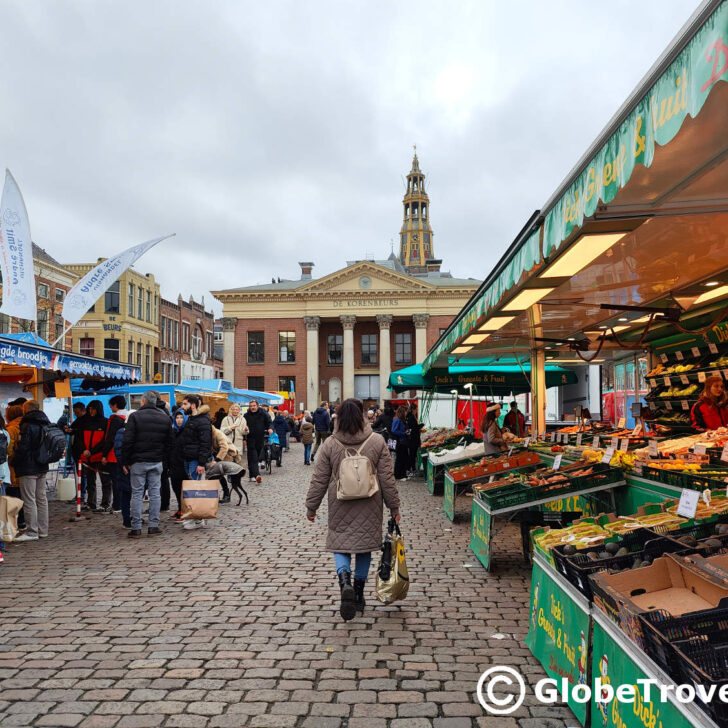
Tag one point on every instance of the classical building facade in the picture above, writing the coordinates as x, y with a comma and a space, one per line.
341, 335
123, 325
186, 342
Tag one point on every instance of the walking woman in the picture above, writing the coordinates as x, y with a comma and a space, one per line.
355, 526
234, 428
399, 433
493, 441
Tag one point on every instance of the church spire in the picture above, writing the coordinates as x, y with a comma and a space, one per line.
416, 233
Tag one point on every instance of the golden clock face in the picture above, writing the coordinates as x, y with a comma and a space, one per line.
415, 238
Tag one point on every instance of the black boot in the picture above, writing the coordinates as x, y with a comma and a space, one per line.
348, 599
359, 594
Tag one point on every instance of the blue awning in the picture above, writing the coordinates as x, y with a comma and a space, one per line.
21, 350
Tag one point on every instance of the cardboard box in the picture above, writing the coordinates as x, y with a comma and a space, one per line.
670, 583
716, 566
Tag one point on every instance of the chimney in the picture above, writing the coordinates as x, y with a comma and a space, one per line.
433, 266
306, 269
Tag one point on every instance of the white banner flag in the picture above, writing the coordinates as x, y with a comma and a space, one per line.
100, 278
16, 254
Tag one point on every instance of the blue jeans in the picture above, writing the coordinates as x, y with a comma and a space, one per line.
307, 454
363, 561
149, 475
122, 486
191, 470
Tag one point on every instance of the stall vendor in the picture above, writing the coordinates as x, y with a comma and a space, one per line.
492, 435
711, 411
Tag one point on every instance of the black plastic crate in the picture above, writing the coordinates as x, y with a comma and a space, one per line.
704, 661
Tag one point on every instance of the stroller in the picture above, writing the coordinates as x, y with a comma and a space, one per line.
276, 449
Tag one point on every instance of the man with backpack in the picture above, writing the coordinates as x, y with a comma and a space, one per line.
30, 462
109, 461
322, 424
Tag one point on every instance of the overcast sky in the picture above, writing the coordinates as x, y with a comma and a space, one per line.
265, 133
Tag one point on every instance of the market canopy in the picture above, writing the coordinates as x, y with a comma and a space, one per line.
489, 380
20, 353
640, 220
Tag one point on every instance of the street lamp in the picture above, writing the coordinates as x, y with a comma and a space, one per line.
471, 423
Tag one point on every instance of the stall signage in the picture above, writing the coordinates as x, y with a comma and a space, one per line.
637, 430
724, 454
684, 379
699, 449
639, 467
712, 348
608, 455
491, 479
557, 461
621, 422
595, 442
624, 444
653, 449
663, 358
666, 380
701, 376
668, 405
565, 438
615, 442
653, 383
688, 504
552, 436
578, 439
679, 355
558, 635
695, 352
685, 405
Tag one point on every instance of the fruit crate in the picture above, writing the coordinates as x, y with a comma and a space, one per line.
683, 478
641, 543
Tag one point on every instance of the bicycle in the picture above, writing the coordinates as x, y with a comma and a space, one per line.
267, 457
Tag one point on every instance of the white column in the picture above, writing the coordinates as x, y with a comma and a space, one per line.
312, 324
385, 357
228, 349
420, 321
348, 359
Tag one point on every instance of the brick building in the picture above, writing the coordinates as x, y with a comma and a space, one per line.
186, 342
52, 282
341, 335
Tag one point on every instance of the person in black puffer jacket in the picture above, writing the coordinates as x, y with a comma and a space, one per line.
176, 459
144, 448
31, 473
196, 436
259, 424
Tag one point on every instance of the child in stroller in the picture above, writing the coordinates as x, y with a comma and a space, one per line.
276, 449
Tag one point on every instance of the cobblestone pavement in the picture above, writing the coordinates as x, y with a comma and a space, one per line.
238, 625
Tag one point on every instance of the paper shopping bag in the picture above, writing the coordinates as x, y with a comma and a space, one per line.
392, 576
200, 499
9, 509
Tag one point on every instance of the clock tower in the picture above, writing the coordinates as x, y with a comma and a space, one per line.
416, 234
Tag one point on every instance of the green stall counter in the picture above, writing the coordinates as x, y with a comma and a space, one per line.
616, 660
558, 630
435, 475
640, 491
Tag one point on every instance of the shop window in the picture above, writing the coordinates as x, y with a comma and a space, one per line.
368, 349
111, 299
156, 309
286, 384
196, 344
140, 303
335, 348
256, 345
402, 348
43, 290
59, 329
111, 349
139, 354
186, 338
286, 346
130, 302
149, 306
87, 347
176, 334
209, 346
256, 383
163, 332
60, 295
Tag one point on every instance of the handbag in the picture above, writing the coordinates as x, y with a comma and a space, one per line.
392, 576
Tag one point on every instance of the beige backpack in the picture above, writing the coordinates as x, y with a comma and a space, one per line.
357, 478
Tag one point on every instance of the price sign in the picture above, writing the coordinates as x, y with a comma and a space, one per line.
701, 376
506, 466
663, 358
712, 348
684, 379
624, 444
491, 479
666, 380
552, 436
527, 442
679, 355
688, 503
653, 383
578, 439
637, 431
608, 455
620, 423
557, 461
615, 442
724, 454
668, 405
699, 449
565, 438
638, 467
653, 449
695, 352
595, 442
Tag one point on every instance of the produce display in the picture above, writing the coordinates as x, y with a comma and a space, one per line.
678, 392
661, 370
444, 437
490, 465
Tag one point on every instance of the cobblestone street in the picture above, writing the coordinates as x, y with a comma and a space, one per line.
238, 625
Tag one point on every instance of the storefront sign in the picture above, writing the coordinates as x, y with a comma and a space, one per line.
558, 634
366, 303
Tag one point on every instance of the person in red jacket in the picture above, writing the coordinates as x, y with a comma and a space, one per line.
93, 434
515, 421
711, 411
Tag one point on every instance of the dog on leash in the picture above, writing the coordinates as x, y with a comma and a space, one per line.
232, 473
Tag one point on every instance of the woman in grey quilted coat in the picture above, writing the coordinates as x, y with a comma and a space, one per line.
355, 526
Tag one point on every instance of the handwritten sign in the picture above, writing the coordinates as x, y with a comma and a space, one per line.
608, 455
620, 423
557, 461
701, 376
653, 383
699, 449
663, 358
695, 352
668, 405
666, 380
688, 503
685, 405
578, 439
653, 449
624, 444
712, 348
552, 436
595, 442
679, 355
684, 379
615, 442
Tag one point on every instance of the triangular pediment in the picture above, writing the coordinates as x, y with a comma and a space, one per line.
365, 276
